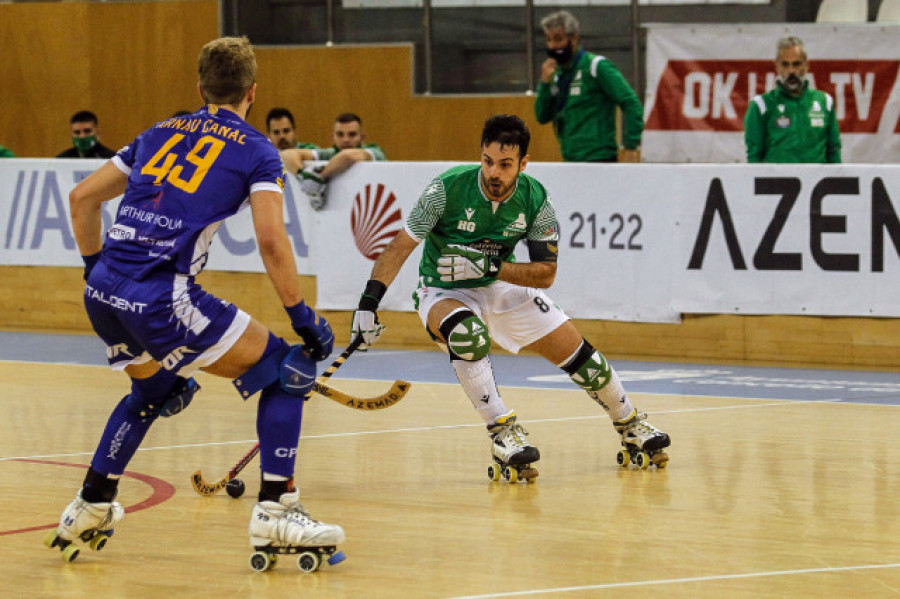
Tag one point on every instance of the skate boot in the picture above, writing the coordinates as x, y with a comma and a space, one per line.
513, 454
91, 522
284, 527
642, 443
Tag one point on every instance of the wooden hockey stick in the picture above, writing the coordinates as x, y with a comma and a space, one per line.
397, 391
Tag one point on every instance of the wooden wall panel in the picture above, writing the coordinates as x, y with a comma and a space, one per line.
135, 64
48, 299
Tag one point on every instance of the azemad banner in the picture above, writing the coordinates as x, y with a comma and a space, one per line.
701, 78
638, 242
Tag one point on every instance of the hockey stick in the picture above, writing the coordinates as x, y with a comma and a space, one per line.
397, 391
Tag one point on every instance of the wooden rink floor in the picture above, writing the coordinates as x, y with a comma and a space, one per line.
762, 497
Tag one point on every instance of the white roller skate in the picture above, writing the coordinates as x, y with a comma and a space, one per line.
513, 454
284, 527
91, 522
642, 443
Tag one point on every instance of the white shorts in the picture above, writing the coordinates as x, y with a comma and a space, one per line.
515, 316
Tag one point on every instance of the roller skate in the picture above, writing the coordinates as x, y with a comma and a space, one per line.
91, 522
284, 527
513, 455
642, 443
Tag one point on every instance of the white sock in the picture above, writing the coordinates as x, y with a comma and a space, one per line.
614, 397
477, 379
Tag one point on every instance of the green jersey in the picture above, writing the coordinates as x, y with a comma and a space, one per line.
328, 153
581, 101
453, 209
780, 127
305, 145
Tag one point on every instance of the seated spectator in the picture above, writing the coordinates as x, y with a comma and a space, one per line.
281, 130
86, 138
349, 148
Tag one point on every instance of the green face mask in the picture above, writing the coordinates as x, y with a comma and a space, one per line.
84, 144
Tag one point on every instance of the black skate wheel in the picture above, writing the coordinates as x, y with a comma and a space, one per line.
308, 561
235, 488
259, 561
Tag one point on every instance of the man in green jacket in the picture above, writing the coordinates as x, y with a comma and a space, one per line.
792, 123
579, 92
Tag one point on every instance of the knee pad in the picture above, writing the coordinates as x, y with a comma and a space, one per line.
145, 402
289, 366
589, 369
466, 336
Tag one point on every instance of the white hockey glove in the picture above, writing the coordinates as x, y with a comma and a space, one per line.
365, 319
460, 263
314, 186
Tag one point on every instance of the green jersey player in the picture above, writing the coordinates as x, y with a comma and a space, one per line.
472, 294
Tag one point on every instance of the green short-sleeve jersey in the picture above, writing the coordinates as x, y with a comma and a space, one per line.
453, 209
328, 153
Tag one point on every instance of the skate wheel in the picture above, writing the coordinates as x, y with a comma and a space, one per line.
623, 458
261, 561
50, 539
70, 553
308, 561
494, 472
98, 541
511, 475
336, 558
641, 459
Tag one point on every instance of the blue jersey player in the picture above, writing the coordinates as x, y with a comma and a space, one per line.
181, 179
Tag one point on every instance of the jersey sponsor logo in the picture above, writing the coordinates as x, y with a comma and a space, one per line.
713, 95
285, 452
783, 122
154, 218
466, 225
121, 232
375, 219
517, 227
470, 212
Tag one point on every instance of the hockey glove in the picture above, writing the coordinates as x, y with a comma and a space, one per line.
89, 263
461, 263
313, 329
365, 319
314, 186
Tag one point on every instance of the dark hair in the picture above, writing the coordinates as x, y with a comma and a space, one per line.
84, 116
507, 130
348, 117
280, 113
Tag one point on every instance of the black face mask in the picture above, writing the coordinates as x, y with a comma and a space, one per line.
561, 55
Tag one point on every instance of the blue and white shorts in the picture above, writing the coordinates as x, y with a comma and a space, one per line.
166, 317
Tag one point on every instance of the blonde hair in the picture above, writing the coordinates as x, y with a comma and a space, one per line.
226, 69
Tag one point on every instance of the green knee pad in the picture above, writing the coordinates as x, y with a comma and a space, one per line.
466, 336
594, 374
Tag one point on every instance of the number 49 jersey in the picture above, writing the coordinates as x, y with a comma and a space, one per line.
185, 176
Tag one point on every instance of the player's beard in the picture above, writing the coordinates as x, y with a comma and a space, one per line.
792, 83
495, 188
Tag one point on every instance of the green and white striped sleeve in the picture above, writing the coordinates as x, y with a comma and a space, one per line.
545, 227
428, 210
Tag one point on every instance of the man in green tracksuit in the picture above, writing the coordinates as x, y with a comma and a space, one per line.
472, 294
579, 92
792, 123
